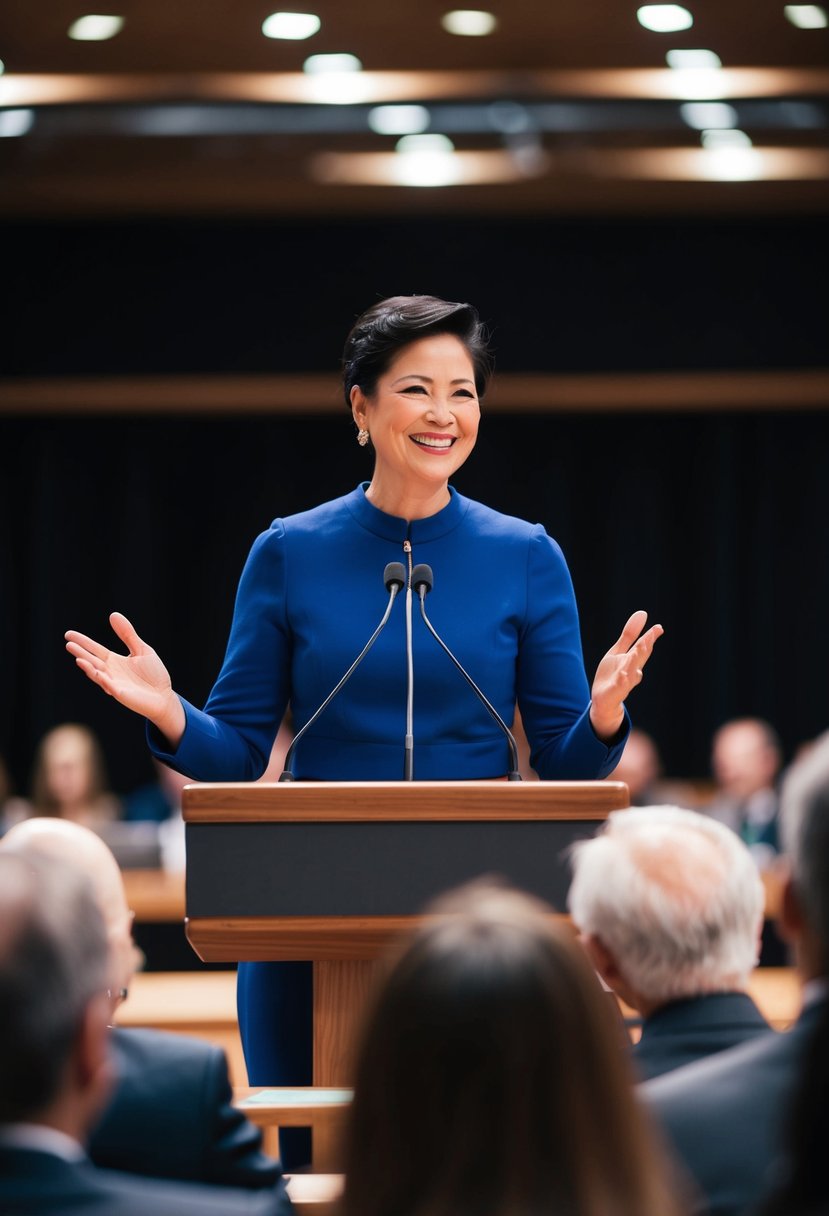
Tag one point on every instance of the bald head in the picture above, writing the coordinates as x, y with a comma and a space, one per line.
674, 896
86, 852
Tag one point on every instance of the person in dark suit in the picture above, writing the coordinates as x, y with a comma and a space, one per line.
170, 1113
54, 1060
727, 1116
669, 904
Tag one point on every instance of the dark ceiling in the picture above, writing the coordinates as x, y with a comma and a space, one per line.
566, 106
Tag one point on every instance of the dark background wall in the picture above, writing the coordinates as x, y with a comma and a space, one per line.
715, 522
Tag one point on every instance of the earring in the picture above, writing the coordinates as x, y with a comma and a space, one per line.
362, 437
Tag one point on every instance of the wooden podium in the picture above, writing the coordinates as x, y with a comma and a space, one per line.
334, 872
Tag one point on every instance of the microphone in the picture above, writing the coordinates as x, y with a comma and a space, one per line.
422, 581
394, 578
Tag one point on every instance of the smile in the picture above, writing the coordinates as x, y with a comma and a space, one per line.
437, 442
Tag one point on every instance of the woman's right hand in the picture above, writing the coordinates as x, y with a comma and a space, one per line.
139, 679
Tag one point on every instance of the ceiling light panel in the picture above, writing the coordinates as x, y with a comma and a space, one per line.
664, 18
469, 22
295, 27
806, 16
693, 61
95, 27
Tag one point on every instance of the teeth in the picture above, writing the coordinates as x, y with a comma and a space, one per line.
433, 443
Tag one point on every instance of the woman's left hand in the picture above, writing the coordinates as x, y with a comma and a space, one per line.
619, 671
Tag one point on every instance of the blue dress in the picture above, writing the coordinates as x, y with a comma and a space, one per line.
310, 595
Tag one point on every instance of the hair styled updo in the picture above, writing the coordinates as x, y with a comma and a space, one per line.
383, 330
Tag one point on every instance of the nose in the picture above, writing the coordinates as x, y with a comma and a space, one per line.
440, 412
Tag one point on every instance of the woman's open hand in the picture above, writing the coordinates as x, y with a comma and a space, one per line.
138, 679
619, 671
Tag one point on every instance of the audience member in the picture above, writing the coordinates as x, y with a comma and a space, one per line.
170, 1113
669, 904
54, 1059
69, 779
746, 759
726, 1115
489, 1078
640, 768
804, 1190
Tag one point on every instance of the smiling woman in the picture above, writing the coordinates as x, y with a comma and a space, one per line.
415, 371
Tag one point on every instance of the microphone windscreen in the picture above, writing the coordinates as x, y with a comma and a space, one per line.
422, 577
394, 575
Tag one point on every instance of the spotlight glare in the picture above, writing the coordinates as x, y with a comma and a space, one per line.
16, 122
324, 65
469, 22
398, 120
806, 16
95, 27
295, 27
706, 115
664, 18
694, 61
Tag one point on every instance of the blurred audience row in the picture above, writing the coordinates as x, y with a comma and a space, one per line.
494, 1075
70, 781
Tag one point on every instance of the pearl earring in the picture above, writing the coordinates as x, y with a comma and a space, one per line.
362, 437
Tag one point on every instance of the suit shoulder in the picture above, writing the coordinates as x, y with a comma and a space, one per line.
140, 1047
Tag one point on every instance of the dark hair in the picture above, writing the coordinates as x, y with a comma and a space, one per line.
490, 1080
387, 327
53, 961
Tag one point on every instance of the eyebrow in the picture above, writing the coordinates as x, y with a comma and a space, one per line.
429, 379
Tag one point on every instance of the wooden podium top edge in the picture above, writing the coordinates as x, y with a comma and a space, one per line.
400, 801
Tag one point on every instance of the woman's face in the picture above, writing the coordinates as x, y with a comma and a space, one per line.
423, 415
68, 767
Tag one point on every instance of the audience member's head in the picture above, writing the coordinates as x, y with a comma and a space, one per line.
490, 1070
69, 777
62, 839
640, 766
53, 1002
746, 756
669, 904
804, 829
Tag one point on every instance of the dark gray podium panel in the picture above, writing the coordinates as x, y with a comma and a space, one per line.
368, 869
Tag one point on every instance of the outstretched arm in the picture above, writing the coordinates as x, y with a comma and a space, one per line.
620, 671
138, 679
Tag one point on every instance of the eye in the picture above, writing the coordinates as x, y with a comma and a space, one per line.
414, 388
465, 392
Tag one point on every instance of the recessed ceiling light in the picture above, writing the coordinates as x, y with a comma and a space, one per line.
319, 65
664, 18
469, 22
693, 61
95, 27
424, 143
806, 16
706, 115
732, 164
16, 122
721, 138
398, 120
293, 26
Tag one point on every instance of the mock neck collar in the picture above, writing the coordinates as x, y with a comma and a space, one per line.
392, 527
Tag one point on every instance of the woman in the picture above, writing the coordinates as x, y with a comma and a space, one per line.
69, 779
415, 371
490, 1079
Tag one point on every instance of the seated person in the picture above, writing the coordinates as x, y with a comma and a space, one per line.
69, 779
727, 1115
170, 1113
489, 1078
669, 905
55, 970
746, 759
